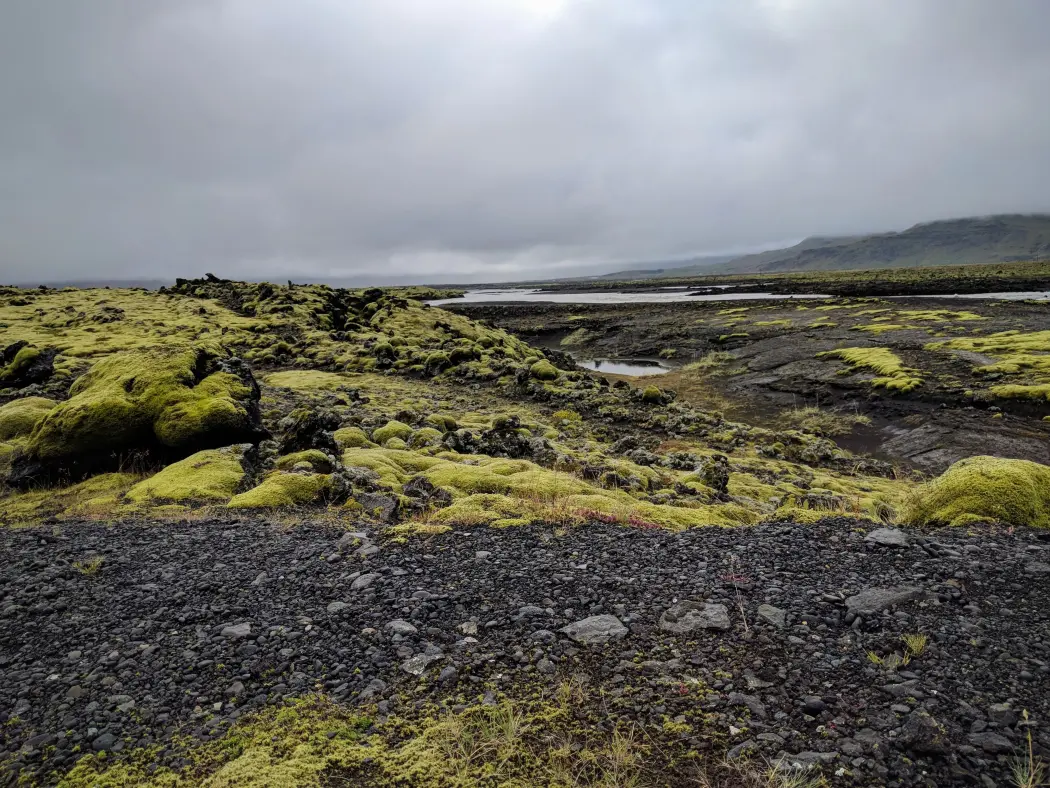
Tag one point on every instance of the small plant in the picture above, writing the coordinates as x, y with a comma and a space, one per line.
1027, 770
915, 645
90, 567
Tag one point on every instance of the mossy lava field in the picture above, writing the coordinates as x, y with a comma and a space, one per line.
292, 535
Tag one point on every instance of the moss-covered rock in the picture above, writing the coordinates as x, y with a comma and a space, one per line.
982, 489
284, 489
170, 400
318, 461
651, 395
351, 438
207, 476
443, 422
392, 429
22, 364
427, 436
20, 416
543, 370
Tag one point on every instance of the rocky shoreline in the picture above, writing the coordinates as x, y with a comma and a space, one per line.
887, 658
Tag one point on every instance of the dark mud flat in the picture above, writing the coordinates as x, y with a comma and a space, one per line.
760, 641
766, 362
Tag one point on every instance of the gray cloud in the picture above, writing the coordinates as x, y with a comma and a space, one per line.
496, 139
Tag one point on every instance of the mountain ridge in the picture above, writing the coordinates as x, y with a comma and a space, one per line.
983, 239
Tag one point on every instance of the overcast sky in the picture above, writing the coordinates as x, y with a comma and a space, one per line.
500, 139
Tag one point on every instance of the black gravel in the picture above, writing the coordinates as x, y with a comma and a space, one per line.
185, 628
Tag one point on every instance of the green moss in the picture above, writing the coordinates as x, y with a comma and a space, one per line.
1040, 391
426, 436
98, 497
351, 438
23, 358
892, 374
206, 476
1011, 492
20, 416
307, 380
283, 489
578, 337
129, 400
651, 395
317, 459
543, 370
392, 429
443, 422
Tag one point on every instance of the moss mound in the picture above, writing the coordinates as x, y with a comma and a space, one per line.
1011, 492
283, 489
392, 429
351, 438
315, 458
211, 475
173, 400
544, 370
19, 417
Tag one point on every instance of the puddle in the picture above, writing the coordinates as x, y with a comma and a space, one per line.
638, 367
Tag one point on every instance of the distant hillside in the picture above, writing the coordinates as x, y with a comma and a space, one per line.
987, 239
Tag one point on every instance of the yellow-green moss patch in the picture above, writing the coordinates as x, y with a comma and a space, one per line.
892, 374
20, 416
283, 489
130, 400
392, 429
207, 476
1011, 492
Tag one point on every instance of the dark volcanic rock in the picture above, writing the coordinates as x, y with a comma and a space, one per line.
177, 632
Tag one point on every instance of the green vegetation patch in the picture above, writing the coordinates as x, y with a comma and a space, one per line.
99, 497
983, 489
207, 476
1022, 354
392, 429
544, 370
893, 375
283, 489
142, 398
20, 416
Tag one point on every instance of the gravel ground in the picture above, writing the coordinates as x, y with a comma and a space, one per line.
752, 640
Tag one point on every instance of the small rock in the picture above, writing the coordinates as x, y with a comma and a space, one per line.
1037, 568
813, 705
773, 615
400, 627
235, 690
1003, 714
872, 600
236, 631
335, 607
742, 750
687, 616
417, 665
990, 742
364, 581
923, 734
596, 630
889, 537
104, 742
